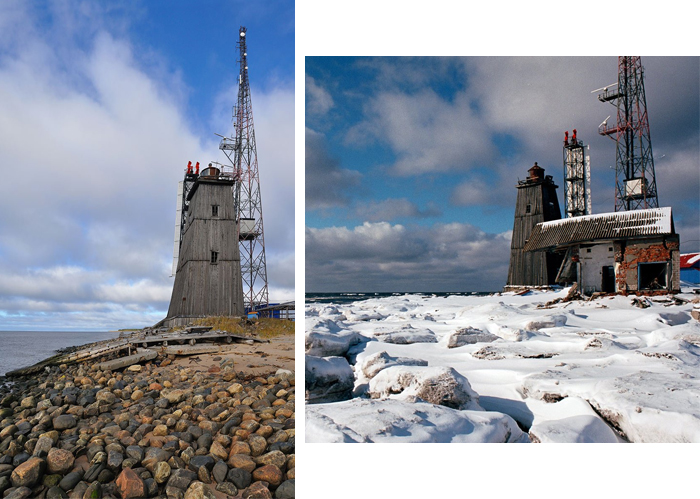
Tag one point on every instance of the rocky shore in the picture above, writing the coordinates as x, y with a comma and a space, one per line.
201, 428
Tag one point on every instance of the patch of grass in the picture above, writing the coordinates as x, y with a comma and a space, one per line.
261, 328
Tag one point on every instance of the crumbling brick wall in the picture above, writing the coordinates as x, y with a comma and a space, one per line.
629, 254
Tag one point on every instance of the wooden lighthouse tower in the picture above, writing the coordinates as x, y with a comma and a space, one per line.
536, 202
207, 265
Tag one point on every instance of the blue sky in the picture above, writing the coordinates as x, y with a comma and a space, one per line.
411, 162
102, 104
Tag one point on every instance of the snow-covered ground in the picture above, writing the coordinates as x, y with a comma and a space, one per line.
504, 368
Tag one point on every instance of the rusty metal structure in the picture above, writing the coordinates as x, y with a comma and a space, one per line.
241, 151
577, 177
635, 181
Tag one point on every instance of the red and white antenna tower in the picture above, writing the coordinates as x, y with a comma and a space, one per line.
241, 151
635, 182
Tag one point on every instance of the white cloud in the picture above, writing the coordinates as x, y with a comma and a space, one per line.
318, 99
426, 132
93, 147
472, 193
391, 209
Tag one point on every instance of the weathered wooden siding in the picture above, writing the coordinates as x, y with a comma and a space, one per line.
203, 288
536, 268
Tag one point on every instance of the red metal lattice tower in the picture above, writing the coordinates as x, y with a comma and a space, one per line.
635, 181
241, 151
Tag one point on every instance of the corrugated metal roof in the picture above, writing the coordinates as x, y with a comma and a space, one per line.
635, 223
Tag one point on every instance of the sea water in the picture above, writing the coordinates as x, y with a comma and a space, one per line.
344, 298
25, 348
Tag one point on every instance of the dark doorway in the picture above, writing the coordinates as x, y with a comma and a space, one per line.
608, 284
652, 275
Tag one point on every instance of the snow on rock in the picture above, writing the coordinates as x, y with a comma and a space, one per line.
651, 407
331, 343
436, 385
362, 420
510, 333
371, 365
406, 335
469, 336
608, 369
328, 379
361, 316
570, 420
557, 320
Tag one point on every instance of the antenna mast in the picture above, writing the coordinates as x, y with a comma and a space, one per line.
242, 153
577, 178
635, 182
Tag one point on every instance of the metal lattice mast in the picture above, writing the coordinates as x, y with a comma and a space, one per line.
241, 151
576, 178
635, 181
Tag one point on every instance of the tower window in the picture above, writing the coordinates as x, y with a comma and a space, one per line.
214, 256
528, 208
214, 210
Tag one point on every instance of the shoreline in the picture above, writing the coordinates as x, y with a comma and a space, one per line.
215, 424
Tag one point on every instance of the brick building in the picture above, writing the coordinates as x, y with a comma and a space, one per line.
625, 252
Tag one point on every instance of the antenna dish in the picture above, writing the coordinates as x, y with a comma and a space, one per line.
604, 123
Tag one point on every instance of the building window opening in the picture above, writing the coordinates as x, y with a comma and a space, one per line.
214, 256
652, 275
528, 208
214, 210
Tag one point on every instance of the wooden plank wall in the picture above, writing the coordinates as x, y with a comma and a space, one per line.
202, 287
532, 268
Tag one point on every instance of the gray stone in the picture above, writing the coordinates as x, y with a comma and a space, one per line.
56, 493
285, 490
79, 491
151, 487
198, 461
71, 480
239, 477
93, 472
114, 460
65, 422
42, 447
181, 478
220, 471
135, 452
20, 493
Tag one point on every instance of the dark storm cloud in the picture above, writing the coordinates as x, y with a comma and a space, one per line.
385, 257
327, 184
